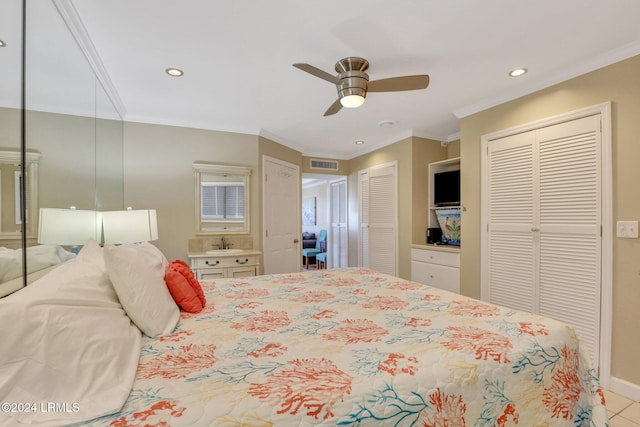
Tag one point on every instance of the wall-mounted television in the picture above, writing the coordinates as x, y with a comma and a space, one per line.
446, 188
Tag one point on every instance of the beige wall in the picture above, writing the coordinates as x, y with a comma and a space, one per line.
158, 173
617, 83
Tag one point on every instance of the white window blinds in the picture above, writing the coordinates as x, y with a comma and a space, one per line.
222, 201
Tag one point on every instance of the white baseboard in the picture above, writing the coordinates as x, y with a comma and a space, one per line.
625, 388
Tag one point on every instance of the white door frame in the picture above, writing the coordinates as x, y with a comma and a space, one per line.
298, 209
606, 298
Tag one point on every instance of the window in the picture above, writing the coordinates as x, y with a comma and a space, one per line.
222, 199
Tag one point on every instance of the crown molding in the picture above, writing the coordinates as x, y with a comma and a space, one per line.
608, 58
72, 19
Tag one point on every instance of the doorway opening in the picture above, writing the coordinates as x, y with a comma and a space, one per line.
324, 212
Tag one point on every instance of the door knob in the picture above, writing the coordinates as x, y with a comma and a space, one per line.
296, 241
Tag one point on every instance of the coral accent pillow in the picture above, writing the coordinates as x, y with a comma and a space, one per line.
184, 287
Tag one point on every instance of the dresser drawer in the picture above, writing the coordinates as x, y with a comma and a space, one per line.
227, 261
451, 259
438, 276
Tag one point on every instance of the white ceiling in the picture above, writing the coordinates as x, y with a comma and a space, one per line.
237, 56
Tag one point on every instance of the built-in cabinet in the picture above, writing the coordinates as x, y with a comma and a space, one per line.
436, 266
208, 266
434, 168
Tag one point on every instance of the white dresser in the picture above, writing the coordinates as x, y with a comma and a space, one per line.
219, 264
437, 266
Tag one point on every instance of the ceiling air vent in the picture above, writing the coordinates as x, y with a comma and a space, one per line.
330, 165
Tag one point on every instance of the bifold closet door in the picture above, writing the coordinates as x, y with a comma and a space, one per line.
544, 224
339, 248
378, 218
512, 217
570, 218
363, 219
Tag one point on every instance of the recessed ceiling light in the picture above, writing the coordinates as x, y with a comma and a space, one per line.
360, 142
175, 72
518, 72
2, 43
387, 123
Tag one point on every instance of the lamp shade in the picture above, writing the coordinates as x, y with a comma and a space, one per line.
130, 226
68, 227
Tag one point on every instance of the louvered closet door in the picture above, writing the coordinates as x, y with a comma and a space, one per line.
511, 213
382, 219
338, 250
544, 218
363, 205
570, 218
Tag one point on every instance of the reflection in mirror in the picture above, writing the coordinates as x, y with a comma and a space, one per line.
10, 140
222, 199
10, 183
109, 166
69, 119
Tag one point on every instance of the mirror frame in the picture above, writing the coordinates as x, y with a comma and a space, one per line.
200, 168
31, 169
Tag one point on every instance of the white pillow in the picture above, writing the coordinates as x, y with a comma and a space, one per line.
137, 273
66, 338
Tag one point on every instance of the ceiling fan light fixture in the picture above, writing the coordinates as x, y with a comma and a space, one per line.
352, 101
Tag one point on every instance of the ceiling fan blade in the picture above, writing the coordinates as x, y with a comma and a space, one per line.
318, 73
335, 107
396, 84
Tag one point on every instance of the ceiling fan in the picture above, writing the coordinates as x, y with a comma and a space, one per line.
353, 83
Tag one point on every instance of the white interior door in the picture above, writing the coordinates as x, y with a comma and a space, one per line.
281, 216
339, 250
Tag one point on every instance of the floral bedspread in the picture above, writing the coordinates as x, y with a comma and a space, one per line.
352, 347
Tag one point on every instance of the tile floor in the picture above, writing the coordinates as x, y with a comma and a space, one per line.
623, 412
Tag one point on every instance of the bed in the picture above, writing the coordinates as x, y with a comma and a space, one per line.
338, 347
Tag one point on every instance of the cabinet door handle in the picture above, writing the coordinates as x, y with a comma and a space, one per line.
214, 264
246, 260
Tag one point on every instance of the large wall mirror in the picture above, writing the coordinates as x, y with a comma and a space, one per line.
70, 122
